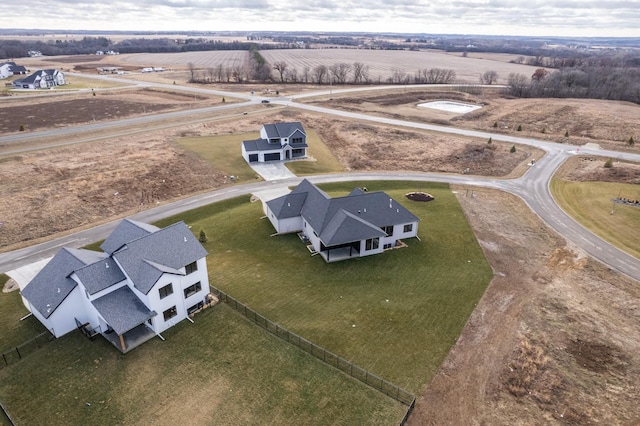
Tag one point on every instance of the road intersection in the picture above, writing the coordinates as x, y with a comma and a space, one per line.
532, 187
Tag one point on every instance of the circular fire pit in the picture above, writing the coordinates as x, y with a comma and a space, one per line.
419, 196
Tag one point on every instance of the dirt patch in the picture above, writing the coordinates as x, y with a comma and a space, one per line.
554, 340
10, 285
419, 196
91, 106
608, 123
591, 169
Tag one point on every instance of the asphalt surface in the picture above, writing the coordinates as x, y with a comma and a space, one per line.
533, 187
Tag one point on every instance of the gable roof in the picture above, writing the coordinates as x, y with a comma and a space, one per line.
127, 230
100, 275
283, 130
145, 259
260, 145
122, 310
48, 289
357, 216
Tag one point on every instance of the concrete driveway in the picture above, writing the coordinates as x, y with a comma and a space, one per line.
273, 170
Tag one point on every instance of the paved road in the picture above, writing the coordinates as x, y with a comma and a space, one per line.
533, 188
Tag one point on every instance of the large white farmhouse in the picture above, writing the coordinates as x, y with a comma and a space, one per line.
146, 280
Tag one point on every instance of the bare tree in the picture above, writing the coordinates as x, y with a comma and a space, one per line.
440, 76
489, 77
518, 84
291, 75
320, 73
305, 73
360, 72
192, 70
281, 67
539, 74
339, 72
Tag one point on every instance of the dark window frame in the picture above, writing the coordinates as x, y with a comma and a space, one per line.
408, 227
192, 289
170, 313
165, 291
191, 268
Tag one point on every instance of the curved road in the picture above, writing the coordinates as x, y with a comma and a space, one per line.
533, 187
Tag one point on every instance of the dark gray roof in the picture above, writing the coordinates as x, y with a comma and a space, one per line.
127, 230
100, 275
261, 145
52, 284
283, 130
331, 218
122, 310
144, 260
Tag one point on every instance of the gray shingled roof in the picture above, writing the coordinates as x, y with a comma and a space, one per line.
100, 275
342, 218
260, 145
52, 284
172, 247
127, 230
282, 130
122, 310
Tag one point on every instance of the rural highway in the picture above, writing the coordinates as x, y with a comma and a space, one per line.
532, 187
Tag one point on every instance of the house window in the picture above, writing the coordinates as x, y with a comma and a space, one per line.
388, 230
372, 244
195, 308
165, 291
191, 268
192, 289
408, 228
170, 313
296, 140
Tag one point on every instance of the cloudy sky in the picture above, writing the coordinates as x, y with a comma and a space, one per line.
620, 18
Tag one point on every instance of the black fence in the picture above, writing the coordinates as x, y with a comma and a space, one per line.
322, 354
19, 352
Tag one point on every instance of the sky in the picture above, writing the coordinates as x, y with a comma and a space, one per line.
573, 18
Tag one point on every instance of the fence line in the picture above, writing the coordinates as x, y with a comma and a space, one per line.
322, 354
20, 351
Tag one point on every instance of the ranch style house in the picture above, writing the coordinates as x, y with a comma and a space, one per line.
359, 224
280, 141
144, 281
41, 79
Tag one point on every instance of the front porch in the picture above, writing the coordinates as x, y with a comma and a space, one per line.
131, 339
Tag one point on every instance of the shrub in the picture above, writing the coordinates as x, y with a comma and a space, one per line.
519, 127
489, 141
544, 130
513, 149
203, 236
224, 100
495, 125
631, 141
566, 134
608, 164
22, 127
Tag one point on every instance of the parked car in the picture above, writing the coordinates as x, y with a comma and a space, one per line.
265, 101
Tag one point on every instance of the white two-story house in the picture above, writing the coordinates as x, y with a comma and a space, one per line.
144, 281
277, 142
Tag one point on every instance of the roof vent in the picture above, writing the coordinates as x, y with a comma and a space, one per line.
365, 209
106, 265
390, 203
185, 239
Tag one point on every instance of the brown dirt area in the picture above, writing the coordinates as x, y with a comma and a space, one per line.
555, 338
589, 169
609, 124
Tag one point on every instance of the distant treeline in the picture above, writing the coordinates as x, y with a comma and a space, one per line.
12, 49
592, 82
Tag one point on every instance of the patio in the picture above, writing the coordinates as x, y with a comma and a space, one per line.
132, 338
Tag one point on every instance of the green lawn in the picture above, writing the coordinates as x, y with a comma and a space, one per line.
220, 370
15, 332
223, 152
395, 314
590, 203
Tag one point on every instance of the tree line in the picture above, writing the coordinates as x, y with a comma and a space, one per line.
258, 69
592, 82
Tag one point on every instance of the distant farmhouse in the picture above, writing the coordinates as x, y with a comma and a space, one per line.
281, 141
7, 69
144, 281
359, 224
41, 79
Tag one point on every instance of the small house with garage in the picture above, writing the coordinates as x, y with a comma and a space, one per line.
277, 142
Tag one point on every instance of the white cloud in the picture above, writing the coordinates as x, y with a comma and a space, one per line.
508, 17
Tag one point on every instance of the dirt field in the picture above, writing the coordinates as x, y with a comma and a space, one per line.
576, 121
555, 339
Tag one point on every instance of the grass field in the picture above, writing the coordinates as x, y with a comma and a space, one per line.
215, 149
396, 314
220, 370
590, 203
15, 332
